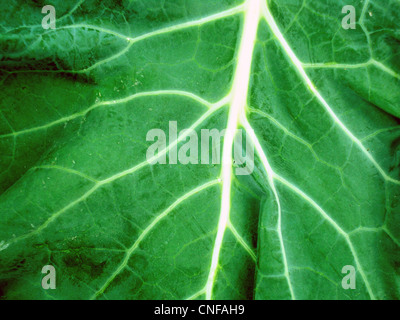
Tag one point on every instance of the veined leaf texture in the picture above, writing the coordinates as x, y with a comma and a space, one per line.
320, 104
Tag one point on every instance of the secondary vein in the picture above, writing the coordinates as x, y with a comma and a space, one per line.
298, 65
148, 229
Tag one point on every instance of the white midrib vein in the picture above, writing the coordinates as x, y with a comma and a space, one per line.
253, 11
252, 14
273, 176
237, 116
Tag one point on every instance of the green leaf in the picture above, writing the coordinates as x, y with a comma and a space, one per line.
321, 105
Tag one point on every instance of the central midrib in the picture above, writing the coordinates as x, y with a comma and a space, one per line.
238, 102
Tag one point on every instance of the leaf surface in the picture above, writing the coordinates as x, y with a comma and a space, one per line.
320, 104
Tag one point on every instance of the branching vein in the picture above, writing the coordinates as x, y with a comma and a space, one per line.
237, 106
298, 65
119, 175
111, 103
148, 229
